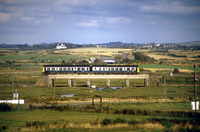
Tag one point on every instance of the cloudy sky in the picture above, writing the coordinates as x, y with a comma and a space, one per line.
97, 21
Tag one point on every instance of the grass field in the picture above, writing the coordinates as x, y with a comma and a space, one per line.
87, 121
95, 52
28, 68
169, 68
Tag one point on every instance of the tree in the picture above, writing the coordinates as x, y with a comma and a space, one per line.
100, 62
176, 71
119, 59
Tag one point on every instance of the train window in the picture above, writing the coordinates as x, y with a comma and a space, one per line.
64, 69
116, 69
48, 68
112, 69
83, 69
60, 69
53, 68
128, 69
79, 69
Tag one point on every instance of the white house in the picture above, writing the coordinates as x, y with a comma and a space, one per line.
61, 46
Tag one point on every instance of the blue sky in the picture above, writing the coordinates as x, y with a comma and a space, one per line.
98, 21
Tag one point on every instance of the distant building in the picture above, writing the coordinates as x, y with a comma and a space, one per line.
157, 45
108, 60
146, 46
101, 46
61, 46
128, 56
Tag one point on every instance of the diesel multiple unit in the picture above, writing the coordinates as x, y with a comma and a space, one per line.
99, 69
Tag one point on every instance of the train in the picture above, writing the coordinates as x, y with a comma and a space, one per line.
87, 69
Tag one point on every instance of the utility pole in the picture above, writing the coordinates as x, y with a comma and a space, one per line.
54, 95
195, 79
164, 85
13, 83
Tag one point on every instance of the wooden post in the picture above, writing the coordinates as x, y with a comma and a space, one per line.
108, 83
93, 100
89, 83
52, 82
127, 82
145, 82
70, 82
100, 101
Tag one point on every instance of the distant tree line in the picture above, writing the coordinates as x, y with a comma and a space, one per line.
37, 46
164, 46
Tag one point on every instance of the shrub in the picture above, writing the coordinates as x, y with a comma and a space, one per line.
119, 120
3, 127
133, 122
95, 123
37, 124
106, 121
176, 71
5, 107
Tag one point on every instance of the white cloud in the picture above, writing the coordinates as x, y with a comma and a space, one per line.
27, 18
92, 23
118, 20
174, 7
4, 17
76, 2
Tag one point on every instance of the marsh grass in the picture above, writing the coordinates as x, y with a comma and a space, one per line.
111, 125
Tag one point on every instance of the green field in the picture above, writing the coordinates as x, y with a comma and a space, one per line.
147, 102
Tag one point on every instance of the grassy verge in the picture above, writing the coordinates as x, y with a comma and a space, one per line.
46, 120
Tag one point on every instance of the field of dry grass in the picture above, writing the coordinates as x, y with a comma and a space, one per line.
95, 51
189, 55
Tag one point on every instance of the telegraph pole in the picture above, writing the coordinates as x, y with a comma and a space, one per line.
13, 83
164, 85
195, 79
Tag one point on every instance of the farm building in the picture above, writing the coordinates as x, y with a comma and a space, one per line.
61, 46
108, 60
128, 56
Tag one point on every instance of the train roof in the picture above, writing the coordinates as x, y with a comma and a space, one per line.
90, 65
115, 65
66, 65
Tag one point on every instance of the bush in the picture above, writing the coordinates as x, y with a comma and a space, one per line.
119, 120
132, 122
3, 127
35, 124
5, 107
38, 124
106, 121
176, 71
142, 57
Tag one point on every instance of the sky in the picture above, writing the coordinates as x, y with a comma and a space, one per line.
99, 21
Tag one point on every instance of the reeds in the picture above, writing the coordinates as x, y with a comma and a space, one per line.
112, 124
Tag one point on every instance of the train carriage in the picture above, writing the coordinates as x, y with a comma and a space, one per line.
65, 69
116, 69
96, 69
